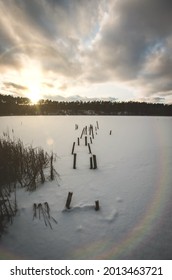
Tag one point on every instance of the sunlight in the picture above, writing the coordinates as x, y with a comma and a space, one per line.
34, 93
32, 78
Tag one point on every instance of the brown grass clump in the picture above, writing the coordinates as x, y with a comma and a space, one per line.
20, 166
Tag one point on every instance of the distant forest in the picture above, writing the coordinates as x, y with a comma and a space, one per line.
10, 105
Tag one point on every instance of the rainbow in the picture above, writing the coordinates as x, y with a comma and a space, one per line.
144, 228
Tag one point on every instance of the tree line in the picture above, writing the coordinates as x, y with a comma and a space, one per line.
10, 105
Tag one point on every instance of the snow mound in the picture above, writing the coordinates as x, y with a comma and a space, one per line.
112, 216
78, 208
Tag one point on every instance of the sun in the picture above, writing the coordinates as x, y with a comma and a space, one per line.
32, 79
34, 93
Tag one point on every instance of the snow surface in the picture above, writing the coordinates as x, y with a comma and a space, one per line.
133, 184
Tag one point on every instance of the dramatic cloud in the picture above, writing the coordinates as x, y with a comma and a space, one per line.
134, 45
14, 89
69, 47
13, 85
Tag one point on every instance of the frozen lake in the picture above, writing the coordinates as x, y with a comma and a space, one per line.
133, 184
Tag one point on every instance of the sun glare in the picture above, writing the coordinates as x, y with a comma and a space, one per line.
32, 78
34, 93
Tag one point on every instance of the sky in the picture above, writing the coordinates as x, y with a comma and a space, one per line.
70, 49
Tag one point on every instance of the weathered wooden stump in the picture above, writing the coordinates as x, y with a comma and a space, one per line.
91, 163
85, 140
97, 207
94, 162
97, 124
82, 133
92, 132
73, 147
86, 130
74, 161
34, 210
68, 201
89, 148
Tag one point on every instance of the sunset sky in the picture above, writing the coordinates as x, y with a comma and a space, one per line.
119, 49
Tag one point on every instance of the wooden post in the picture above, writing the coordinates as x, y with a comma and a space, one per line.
78, 141
94, 162
97, 207
92, 133
91, 163
51, 168
73, 147
68, 201
74, 161
85, 140
90, 129
89, 148
82, 133
34, 210
97, 124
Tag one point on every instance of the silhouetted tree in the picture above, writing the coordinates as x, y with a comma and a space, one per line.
10, 105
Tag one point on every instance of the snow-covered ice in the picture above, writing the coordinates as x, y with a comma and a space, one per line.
133, 184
